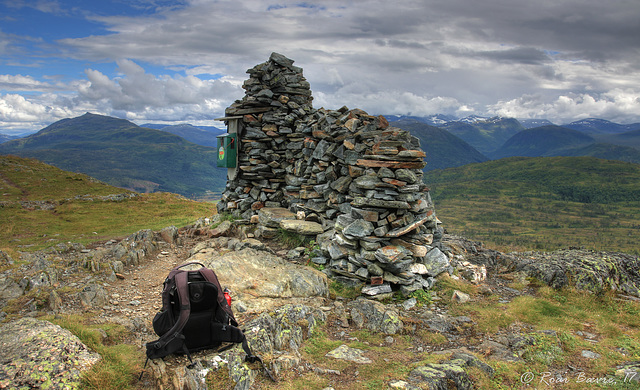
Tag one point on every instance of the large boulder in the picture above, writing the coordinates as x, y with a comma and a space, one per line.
436, 262
9, 288
584, 269
260, 280
375, 316
39, 354
278, 334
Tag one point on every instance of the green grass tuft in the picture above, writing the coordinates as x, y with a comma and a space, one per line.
121, 362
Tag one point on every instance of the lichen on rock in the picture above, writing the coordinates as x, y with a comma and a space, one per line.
39, 354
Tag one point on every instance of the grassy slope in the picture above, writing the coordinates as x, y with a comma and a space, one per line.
542, 203
77, 220
487, 185
125, 155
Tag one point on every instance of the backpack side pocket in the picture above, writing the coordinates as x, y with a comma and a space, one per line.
162, 322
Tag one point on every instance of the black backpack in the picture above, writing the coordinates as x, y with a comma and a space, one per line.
195, 316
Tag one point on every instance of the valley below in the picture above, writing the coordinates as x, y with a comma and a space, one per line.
528, 299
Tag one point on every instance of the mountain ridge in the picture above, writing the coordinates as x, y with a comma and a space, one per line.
124, 155
488, 135
541, 141
442, 149
200, 135
600, 126
116, 150
5, 137
561, 141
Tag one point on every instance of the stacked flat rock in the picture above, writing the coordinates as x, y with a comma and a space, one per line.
351, 172
277, 98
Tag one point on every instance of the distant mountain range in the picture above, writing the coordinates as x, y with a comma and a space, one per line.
500, 137
590, 125
123, 154
630, 139
182, 158
201, 135
600, 126
443, 149
485, 135
531, 123
4, 138
542, 141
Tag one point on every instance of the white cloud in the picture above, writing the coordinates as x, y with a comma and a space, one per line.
562, 60
618, 105
396, 102
16, 108
133, 94
19, 115
25, 83
141, 94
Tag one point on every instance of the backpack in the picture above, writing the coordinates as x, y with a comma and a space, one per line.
195, 315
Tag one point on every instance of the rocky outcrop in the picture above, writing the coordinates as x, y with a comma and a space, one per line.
443, 375
44, 270
356, 177
375, 316
584, 269
259, 279
38, 354
279, 304
278, 334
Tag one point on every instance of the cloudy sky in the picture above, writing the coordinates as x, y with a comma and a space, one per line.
183, 61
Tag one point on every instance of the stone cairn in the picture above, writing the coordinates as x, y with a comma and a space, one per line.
357, 179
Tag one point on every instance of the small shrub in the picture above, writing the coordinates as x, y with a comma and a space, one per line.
545, 350
422, 297
312, 249
289, 239
342, 290
560, 298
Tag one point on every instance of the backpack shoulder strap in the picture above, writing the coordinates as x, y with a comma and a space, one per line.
173, 340
211, 276
182, 289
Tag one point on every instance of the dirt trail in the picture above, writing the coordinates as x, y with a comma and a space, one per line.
139, 292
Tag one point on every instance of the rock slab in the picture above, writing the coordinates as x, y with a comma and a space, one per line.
39, 354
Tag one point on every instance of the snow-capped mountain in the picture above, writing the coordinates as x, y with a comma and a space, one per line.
600, 126
471, 119
531, 123
433, 120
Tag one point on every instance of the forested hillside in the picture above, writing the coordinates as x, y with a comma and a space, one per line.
542, 203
